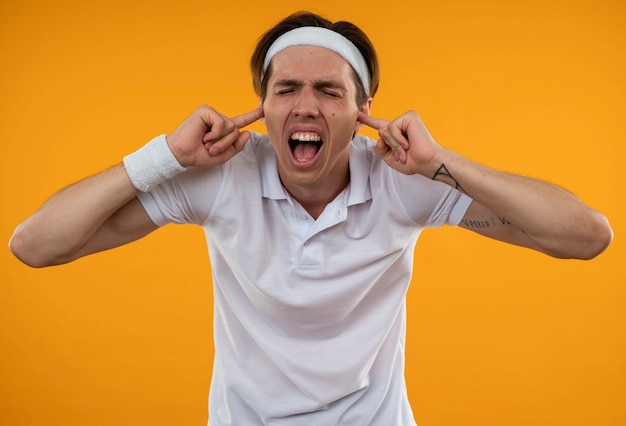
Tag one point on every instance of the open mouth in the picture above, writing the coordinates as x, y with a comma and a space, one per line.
305, 146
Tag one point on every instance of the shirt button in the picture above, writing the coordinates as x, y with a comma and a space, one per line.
306, 243
304, 217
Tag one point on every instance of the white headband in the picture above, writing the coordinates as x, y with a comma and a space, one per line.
322, 37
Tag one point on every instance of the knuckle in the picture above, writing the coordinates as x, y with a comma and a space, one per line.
204, 108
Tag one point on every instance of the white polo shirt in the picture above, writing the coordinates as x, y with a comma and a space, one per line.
309, 323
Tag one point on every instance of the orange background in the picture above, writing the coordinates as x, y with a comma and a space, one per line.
497, 335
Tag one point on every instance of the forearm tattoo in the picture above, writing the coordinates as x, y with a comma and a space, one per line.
485, 223
443, 175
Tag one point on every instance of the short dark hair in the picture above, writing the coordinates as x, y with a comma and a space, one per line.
308, 19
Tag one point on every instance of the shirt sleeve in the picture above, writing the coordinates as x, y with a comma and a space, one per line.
185, 199
430, 203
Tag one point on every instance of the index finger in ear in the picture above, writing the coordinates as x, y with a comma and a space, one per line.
248, 118
373, 122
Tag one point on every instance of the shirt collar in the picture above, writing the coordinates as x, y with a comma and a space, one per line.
359, 190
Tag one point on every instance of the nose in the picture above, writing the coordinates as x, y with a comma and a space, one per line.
305, 105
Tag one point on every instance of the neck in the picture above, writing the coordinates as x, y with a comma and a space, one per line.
314, 199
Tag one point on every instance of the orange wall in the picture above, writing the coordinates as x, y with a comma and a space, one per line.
497, 335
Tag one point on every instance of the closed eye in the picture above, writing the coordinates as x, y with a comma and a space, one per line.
330, 88
286, 86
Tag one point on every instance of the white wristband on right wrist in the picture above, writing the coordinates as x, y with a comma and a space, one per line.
152, 164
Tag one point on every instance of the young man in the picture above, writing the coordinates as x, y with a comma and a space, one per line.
310, 228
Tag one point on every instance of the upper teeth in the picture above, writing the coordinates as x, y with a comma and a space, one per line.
306, 137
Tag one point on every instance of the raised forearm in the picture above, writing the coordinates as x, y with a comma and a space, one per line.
556, 221
70, 218
511, 208
99, 213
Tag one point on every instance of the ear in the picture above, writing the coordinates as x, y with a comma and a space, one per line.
261, 106
365, 109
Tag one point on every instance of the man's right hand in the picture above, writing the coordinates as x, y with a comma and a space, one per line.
208, 138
